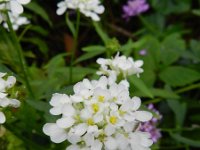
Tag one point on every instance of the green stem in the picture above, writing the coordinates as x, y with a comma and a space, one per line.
75, 42
181, 90
188, 88
20, 55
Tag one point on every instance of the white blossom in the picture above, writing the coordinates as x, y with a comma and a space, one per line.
15, 9
16, 21
90, 8
99, 115
5, 101
119, 66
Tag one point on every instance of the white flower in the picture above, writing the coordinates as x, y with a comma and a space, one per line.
14, 8
120, 65
58, 101
57, 134
90, 8
16, 21
140, 140
2, 118
97, 116
5, 101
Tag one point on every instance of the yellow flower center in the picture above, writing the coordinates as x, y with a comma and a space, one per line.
95, 107
101, 98
90, 121
121, 112
113, 119
114, 99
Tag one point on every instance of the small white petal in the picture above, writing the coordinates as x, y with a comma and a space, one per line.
89, 139
137, 103
16, 7
68, 110
2, 118
97, 145
139, 63
2, 74
80, 129
3, 95
73, 147
56, 110
59, 99
65, 122
23, 1
10, 81
56, 134
61, 10
98, 118
109, 130
143, 116
4, 102
14, 103
76, 98
110, 143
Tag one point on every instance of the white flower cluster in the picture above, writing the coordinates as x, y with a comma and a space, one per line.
119, 66
100, 115
4, 100
90, 8
15, 9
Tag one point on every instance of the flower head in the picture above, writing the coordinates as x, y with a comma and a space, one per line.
119, 66
98, 115
134, 7
90, 8
14, 8
16, 21
6, 84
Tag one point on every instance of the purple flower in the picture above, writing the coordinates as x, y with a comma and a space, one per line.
150, 126
143, 52
134, 7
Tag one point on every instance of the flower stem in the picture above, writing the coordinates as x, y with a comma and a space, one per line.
179, 91
20, 55
75, 42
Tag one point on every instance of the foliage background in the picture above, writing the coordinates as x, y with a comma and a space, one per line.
170, 34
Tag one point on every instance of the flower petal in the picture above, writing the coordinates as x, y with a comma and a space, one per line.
24, 1
80, 129
68, 110
65, 122
16, 7
143, 116
2, 118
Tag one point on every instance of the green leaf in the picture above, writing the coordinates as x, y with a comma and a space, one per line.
171, 49
179, 76
39, 105
39, 29
38, 42
88, 56
138, 83
196, 12
100, 32
179, 110
56, 61
93, 48
70, 25
128, 47
152, 45
164, 93
36, 8
185, 140
195, 47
